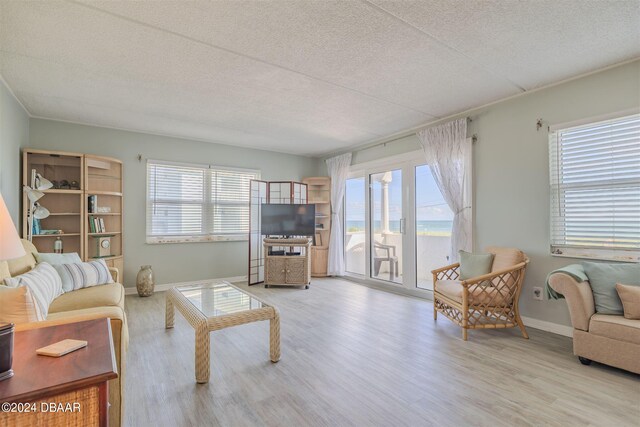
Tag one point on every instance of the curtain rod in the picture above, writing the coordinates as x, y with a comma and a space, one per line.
474, 138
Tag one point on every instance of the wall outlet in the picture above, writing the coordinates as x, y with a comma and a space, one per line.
537, 293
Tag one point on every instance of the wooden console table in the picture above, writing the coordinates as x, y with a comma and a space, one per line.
71, 390
287, 269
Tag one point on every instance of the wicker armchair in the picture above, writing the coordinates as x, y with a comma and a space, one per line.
484, 302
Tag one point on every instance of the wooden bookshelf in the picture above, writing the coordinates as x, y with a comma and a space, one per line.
64, 204
68, 207
103, 177
319, 193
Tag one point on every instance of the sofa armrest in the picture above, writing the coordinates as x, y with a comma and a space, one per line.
115, 274
579, 298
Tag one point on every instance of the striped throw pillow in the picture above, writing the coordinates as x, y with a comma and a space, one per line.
83, 275
44, 286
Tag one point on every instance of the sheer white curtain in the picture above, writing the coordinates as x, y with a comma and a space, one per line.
448, 153
338, 168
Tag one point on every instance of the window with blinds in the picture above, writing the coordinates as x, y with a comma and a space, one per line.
197, 202
595, 189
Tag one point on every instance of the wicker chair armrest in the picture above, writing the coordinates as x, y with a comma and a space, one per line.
448, 272
445, 268
486, 279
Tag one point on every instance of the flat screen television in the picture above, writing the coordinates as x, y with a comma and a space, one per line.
288, 220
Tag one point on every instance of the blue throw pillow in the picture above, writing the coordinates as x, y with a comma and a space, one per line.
57, 259
603, 278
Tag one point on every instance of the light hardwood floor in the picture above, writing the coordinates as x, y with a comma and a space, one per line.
355, 356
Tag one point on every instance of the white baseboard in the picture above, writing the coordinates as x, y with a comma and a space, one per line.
167, 286
530, 322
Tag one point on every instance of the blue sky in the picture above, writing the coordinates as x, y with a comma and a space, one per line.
431, 205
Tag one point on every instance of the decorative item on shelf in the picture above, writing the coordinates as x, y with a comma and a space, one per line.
55, 184
65, 185
35, 193
144, 281
57, 246
104, 246
74, 185
104, 209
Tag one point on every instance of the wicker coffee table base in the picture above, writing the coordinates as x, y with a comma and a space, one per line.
204, 325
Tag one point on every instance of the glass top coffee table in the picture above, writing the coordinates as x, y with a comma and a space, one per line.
212, 306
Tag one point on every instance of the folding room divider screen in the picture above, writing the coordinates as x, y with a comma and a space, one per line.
265, 192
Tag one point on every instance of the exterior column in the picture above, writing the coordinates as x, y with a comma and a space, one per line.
384, 181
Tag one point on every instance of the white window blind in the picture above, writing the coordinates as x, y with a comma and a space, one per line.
197, 202
595, 189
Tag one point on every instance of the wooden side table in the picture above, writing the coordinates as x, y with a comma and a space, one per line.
71, 390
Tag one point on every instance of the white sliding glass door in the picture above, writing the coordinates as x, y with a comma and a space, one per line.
397, 224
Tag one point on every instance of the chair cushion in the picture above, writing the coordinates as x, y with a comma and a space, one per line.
24, 263
505, 257
95, 296
474, 265
478, 294
630, 297
615, 327
603, 278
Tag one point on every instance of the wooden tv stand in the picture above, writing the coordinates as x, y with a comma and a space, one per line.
287, 262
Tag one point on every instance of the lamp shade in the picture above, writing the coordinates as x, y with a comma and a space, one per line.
10, 244
40, 212
34, 195
42, 183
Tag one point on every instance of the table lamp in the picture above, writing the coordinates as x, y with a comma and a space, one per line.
10, 244
10, 247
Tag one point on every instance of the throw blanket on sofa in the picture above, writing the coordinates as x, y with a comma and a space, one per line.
574, 270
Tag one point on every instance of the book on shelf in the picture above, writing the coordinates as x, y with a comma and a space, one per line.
92, 205
49, 232
96, 225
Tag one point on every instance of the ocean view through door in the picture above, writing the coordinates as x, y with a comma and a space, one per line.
434, 220
397, 225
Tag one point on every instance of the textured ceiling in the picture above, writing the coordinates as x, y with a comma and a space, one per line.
305, 77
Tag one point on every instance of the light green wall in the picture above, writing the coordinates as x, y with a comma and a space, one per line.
171, 262
511, 183
14, 134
